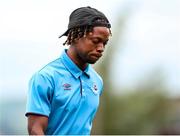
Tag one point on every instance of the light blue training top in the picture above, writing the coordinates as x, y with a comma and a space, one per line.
68, 96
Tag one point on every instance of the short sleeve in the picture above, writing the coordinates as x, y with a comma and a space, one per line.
38, 98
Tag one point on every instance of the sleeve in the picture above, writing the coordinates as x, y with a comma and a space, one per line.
38, 101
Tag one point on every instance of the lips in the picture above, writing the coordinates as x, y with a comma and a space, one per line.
97, 55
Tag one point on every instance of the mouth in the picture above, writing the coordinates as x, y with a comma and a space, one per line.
97, 56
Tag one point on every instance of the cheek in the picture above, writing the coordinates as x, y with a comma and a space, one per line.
85, 47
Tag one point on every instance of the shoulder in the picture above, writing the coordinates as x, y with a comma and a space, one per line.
50, 73
46, 73
95, 75
96, 79
52, 69
51, 66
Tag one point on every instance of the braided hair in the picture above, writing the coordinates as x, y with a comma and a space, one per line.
76, 33
82, 31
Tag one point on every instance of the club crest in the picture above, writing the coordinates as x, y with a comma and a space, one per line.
95, 89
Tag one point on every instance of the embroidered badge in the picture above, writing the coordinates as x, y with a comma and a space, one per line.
67, 86
95, 89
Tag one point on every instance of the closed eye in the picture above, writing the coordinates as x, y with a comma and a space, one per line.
105, 42
97, 41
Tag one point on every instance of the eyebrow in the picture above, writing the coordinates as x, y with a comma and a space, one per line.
99, 38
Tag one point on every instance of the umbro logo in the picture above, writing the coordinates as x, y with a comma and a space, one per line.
67, 86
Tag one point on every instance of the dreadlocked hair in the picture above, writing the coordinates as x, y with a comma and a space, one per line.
76, 33
82, 31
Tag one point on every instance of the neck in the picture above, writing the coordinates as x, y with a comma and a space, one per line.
76, 59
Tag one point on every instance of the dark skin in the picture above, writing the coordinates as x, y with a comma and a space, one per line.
83, 51
37, 124
90, 48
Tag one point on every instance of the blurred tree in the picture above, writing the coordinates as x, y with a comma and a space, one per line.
103, 67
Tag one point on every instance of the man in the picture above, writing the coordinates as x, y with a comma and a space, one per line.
64, 95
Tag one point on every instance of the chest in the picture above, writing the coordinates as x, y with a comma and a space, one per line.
76, 93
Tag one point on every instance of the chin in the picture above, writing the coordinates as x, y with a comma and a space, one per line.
92, 61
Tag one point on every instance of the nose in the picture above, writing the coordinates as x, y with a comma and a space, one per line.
100, 47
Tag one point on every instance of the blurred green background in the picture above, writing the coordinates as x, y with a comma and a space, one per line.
140, 65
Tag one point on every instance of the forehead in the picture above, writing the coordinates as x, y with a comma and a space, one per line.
101, 32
